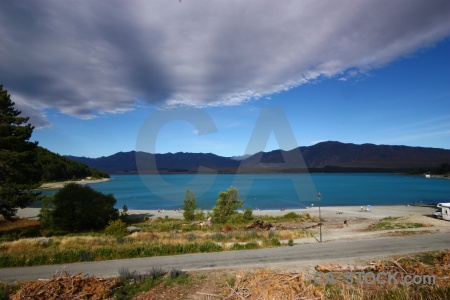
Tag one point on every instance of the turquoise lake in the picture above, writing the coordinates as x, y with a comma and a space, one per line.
273, 191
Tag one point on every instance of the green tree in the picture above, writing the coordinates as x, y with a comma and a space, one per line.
189, 206
76, 208
18, 177
226, 205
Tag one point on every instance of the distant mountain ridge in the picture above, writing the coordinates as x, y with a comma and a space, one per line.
319, 156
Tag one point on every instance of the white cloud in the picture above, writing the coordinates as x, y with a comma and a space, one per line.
91, 57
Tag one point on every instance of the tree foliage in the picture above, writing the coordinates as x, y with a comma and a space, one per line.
226, 205
189, 206
55, 167
77, 208
18, 176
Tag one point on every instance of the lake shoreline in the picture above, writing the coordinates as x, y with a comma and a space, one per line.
330, 212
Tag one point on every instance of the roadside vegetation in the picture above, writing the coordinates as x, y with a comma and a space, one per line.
158, 283
79, 224
394, 223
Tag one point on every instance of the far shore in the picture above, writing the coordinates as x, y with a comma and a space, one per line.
61, 184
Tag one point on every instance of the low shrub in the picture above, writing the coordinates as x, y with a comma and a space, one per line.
247, 246
117, 228
248, 214
274, 242
86, 256
175, 273
126, 274
291, 215
156, 272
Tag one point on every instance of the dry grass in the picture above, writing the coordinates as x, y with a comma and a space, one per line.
22, 245
234, 236
77, 242
17, 224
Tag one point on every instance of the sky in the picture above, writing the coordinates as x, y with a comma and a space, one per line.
93, 75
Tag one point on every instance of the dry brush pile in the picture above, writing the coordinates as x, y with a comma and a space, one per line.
274, 284
66, 286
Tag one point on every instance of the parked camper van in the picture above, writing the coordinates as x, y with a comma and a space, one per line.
438, 213
445, 210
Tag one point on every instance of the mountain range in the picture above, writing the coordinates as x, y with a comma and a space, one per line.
326, 156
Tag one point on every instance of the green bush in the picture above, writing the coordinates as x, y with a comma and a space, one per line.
274, 242
77, 208
247, 246
291, 215
117, 228
248, 214
252, 245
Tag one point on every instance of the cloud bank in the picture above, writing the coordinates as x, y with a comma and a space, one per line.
86, 58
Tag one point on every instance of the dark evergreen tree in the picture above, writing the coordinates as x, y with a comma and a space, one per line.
18, 175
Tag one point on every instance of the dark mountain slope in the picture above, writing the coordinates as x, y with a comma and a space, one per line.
321, 155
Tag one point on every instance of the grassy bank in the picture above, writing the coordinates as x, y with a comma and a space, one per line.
161, 236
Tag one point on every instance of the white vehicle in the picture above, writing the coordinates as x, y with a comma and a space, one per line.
445, 210
438, 213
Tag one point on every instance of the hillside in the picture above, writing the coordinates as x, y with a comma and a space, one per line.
124, 162
54, 167
325, 156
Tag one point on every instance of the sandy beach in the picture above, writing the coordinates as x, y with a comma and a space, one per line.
60, 184
328, 212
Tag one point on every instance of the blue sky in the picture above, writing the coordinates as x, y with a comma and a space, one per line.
376, 72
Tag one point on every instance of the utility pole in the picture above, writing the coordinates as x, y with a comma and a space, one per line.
319, 196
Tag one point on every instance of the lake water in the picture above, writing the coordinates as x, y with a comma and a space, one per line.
273, 191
